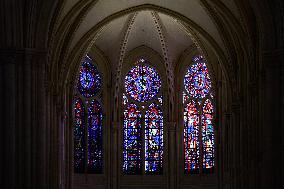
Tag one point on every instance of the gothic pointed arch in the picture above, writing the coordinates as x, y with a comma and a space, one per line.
144, 110
91, 116
198, 100
88, 124
198, 124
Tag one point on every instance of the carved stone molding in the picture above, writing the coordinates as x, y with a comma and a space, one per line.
168, 63
123, 47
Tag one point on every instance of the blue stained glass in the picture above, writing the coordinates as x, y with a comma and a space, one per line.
90, 80
185, 97
154, 140
125, 99
197, 81
88, 143
208, 139
79, 139
198, 119
191, 140
95, 122
132, 143
142, 83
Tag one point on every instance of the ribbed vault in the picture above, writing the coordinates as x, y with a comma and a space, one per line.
81, 24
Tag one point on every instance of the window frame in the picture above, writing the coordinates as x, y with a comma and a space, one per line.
102, 65
184, 62
156, 62
143, 110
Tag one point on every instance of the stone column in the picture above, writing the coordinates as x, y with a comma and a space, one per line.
25, 103
172, 160
8, 117
114, 164
271, 161
23, 106
235, 145
226, 177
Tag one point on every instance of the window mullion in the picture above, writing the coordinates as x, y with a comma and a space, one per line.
200, 140
86, 137
143, 154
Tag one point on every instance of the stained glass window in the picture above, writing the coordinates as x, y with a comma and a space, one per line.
88, 120
142, 83
79, 139
89, 80
125, 99
160, 99
95, 118
191, 138
208, 136
197, 82
185, 97
153, 140
143, 123
132, 144
198, 119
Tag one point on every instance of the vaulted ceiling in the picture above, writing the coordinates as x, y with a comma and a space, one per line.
143, 31
166, 26
101, 9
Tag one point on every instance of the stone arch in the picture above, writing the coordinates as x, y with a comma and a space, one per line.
89, 38
102, 64
152, 55
222, 103
206, 43
155, 61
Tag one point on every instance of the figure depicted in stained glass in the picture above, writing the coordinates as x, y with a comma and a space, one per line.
208, 136
191, 138
142, 84
79, 139
95, 123
198, 119
132, 143
153, 140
